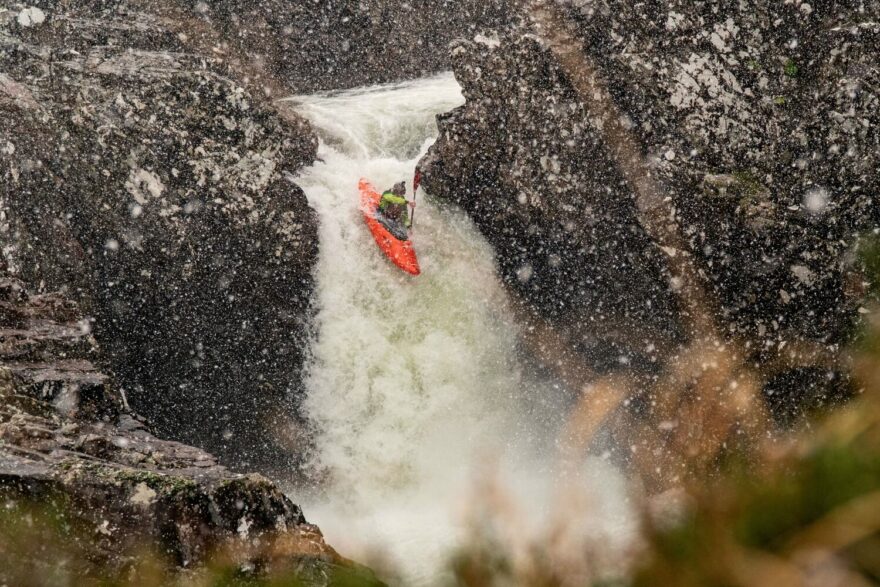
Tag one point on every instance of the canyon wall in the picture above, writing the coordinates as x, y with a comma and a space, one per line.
761, 124
144, 182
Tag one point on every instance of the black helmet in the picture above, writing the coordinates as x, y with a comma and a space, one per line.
399, 188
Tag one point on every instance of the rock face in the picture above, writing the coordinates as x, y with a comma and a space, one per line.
142, 180
333, 45
762, 122
67, 441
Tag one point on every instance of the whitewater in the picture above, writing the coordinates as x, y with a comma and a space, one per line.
417, 390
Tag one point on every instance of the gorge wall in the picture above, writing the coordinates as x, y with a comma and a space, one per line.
85, 479
761, 123
144, 182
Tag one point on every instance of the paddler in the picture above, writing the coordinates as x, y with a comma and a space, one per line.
393, 210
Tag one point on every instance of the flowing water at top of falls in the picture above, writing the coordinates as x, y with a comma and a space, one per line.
415, 387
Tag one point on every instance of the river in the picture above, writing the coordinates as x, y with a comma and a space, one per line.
416, 387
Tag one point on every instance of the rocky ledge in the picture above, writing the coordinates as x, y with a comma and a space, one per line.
69, 443
761, 121
333, 45
140, 178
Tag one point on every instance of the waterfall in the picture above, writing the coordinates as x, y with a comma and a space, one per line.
415, 386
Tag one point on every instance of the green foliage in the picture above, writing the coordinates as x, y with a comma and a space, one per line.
832, 475
869, 259
43, 543
790, 68
166, 484
748, 184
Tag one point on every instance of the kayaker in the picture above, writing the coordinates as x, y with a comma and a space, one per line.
393, 212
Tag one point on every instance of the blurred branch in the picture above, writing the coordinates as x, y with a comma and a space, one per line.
840, 528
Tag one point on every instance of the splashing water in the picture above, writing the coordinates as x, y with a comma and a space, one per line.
415, 384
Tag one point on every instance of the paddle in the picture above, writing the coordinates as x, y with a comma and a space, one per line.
417, 180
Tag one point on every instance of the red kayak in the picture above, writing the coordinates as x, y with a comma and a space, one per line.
399, 251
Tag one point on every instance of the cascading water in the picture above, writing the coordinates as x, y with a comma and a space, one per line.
415, 383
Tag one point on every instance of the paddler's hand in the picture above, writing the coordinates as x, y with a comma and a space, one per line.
412, 204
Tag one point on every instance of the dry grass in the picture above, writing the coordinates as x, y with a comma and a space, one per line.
749, 508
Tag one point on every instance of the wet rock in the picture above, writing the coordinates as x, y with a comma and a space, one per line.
761, 122
129, 489
144, 181
333, 45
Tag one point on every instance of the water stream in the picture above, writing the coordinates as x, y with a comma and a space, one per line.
415, 385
